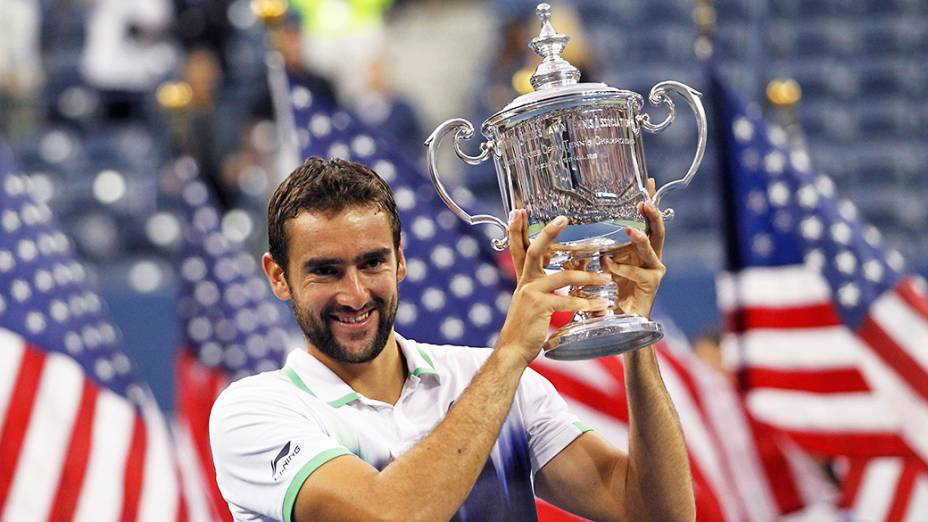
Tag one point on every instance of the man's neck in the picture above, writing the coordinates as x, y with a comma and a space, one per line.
381, 379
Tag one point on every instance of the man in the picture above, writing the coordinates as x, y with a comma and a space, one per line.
367, 425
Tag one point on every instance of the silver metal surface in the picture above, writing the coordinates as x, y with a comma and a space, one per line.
602, 336
581, 161
462, 130
658, 96
574, 149
553, 70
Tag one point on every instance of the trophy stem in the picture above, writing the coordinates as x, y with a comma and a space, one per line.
607, 292
598, 334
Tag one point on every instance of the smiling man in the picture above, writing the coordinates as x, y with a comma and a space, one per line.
367, 425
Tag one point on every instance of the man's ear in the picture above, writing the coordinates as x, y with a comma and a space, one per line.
400, 263
275, 276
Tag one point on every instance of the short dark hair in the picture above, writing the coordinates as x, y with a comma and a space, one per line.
328, 186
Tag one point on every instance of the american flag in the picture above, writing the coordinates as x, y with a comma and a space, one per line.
867, 496
231, 327
829, 335
735, 478
81, 436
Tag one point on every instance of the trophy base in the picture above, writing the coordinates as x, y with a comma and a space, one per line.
602, 336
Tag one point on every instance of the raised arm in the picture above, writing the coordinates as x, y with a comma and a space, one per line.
433, 479
652, 482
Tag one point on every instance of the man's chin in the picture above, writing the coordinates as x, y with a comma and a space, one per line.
355, 348
351, 345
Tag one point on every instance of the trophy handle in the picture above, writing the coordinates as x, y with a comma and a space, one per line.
659, 96
462, 130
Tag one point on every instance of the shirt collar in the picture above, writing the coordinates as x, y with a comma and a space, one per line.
310, 375
418, 361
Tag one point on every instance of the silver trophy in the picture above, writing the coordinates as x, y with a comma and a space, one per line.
574, 149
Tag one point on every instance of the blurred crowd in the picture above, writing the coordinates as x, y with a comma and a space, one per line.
90, 65
98, 97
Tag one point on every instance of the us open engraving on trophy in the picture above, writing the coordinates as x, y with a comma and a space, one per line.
596, 122
571, 150
598, 141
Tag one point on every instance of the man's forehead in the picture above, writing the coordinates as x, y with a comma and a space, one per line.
357, 229
321, 221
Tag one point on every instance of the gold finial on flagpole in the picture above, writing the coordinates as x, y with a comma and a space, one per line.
784, 92
704, 17
174, 96
269, 11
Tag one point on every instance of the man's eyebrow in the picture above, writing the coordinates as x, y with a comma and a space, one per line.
311, 264
373, 254
317, 262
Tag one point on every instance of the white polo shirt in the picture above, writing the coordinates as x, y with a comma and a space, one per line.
269, 432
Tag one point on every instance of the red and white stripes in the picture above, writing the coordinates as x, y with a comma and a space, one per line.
835, 391
890, 489
197, 389
72, 450
729, 475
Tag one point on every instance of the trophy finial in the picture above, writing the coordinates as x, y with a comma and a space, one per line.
549, 44
544, 12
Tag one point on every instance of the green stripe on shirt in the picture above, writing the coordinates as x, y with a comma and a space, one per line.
295, 379
582, 427
303, 474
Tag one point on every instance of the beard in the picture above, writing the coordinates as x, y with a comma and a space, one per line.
317, 330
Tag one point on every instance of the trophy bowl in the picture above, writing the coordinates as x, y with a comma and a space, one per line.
575, 149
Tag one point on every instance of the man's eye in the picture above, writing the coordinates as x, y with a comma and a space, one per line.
373, 263
325, 271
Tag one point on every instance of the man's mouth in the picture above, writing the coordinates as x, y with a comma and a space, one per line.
351, 318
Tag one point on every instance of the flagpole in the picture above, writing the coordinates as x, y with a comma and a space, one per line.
784, 95
272, 13
704, 16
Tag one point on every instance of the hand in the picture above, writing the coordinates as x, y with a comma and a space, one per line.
534, 300
637, 270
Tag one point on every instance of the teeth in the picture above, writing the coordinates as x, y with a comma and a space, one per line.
353, 320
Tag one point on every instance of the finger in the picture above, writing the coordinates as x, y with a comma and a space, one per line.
633, 273
649, 258
524, 214
656, 230
622, 255
652, 187
563, 303
517, 243
552, 282
538, 248
573, 263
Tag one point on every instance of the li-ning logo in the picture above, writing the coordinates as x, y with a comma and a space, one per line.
282, 460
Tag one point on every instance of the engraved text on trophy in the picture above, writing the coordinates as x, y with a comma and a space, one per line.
579, 163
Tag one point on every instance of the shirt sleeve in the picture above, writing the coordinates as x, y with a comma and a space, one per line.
264, 449
550, 426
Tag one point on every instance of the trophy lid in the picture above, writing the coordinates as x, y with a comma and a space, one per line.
555, 79
553, 71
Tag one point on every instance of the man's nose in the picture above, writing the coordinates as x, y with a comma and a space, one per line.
353, 291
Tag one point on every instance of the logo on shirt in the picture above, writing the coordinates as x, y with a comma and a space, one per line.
282, 460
